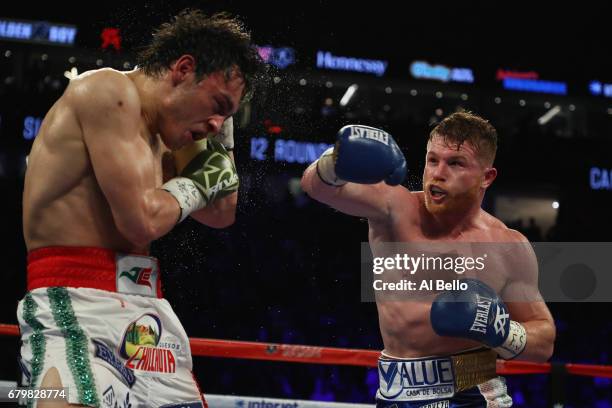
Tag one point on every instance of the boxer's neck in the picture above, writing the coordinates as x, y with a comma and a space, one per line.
453, 223
148, 90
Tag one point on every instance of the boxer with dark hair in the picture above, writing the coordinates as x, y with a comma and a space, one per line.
101, 185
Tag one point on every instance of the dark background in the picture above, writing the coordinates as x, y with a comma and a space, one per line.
287, 271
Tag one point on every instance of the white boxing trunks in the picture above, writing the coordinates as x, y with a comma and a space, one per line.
98, 317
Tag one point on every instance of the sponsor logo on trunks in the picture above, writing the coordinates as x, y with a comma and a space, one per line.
184, 405
145, 331
107, 355
437, 404
481, 320
110, 400
137, 275
416, 379
140, 276
153, 360
108, 397
142, 348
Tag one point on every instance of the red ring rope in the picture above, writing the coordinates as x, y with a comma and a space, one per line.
342, 356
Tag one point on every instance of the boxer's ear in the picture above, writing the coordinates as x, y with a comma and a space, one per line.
489, 176
182, 68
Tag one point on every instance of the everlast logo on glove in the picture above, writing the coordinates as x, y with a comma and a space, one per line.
482, 315
370, 133
500, 321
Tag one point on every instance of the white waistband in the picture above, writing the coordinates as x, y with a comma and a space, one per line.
391, 357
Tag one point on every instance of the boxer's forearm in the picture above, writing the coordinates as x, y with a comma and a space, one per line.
372, 201
540, 340
150, 217
315, 187
157, 212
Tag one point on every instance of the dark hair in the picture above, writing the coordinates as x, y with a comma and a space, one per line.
218, 43
466, 126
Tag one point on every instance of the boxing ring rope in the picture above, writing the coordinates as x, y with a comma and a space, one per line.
340, 356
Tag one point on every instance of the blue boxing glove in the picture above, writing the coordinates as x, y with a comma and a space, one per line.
364, 155
478, 313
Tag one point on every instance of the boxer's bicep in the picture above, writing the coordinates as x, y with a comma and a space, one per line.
521, 270
525, 303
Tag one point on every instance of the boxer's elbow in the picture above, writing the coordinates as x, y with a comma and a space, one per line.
544, 341
140, 233
544, 353
548, 348
548, 352
143, 223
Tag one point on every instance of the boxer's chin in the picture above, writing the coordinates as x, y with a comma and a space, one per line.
436, 207
452, 203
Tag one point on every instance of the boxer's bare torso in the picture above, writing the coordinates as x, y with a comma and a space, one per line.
63, 203
405, 324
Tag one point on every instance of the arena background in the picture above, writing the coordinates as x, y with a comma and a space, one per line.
287, 271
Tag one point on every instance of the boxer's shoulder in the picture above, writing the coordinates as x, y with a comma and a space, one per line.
513, 235
405, 207
502, 233
404, 201
103, 88
494, 226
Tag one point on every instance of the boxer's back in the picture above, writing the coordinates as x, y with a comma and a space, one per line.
62, 202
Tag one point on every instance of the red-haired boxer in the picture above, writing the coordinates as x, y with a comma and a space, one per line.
94, 319
434, 354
